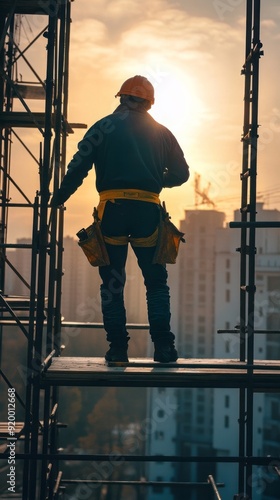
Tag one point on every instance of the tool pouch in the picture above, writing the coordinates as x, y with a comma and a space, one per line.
169, 238
92, 243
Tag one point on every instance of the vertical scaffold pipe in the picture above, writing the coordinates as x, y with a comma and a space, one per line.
243, 242
256, 53
43, 244
253, 178
56, 235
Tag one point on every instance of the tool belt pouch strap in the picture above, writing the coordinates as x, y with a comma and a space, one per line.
169, 238
94, 246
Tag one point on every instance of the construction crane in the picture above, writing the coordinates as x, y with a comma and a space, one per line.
201, 195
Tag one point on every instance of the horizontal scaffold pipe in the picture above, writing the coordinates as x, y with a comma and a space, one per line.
143, 458
141, 483
73, 324
259, 224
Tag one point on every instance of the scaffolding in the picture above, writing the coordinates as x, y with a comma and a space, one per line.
36, 315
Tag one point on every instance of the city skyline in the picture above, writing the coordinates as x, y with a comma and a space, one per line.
204, 301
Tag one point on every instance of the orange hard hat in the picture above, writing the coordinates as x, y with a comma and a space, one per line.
138, 86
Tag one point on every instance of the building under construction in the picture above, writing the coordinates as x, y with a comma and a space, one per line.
32, 446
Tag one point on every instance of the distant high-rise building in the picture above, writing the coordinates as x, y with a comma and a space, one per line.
80, 285
197, 266
17, 278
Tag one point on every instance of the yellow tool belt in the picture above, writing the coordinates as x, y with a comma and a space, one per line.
128, 194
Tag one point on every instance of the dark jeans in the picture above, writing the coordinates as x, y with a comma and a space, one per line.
137, 219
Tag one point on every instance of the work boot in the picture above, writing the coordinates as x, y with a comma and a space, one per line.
117, 353
118, 350
165, 351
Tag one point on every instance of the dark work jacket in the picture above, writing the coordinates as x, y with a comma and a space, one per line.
129, 150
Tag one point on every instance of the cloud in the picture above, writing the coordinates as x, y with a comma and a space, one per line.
268, 23
112, 40
123, 33
89, 42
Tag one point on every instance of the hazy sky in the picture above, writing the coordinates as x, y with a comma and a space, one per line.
193, 52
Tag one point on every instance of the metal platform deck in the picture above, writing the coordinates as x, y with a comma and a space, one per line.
37, 119
139, 372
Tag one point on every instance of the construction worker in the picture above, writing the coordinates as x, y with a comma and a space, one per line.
134, 158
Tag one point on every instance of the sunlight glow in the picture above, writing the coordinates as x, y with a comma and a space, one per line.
177, 105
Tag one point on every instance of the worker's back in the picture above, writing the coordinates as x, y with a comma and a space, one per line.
131, 150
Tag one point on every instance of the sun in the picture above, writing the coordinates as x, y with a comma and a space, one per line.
177, 105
